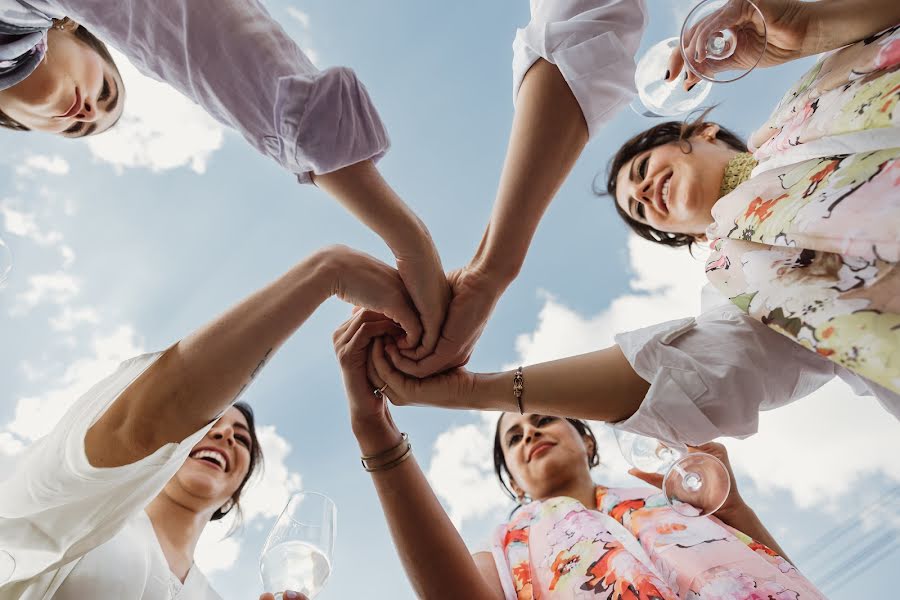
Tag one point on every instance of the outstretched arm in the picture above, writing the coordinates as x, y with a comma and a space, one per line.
201, 375
433, 554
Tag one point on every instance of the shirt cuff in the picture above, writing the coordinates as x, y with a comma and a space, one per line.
338, 124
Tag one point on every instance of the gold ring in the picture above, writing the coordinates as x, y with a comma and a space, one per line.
380, 391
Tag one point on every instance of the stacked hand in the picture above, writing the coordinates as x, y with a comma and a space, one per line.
288, 595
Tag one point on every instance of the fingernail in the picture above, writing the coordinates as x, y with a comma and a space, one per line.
291, 595
668, 74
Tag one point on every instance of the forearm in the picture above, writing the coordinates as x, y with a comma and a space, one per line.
433, 553
600, 386
744, 519
548, 135
201, 375
837, 23
361, 189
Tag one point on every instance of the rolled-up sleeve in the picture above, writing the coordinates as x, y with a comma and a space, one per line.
56, 506
711, 375
236, 62
593, 43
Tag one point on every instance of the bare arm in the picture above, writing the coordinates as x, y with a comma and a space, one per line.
201, 375
433, 554
599, 385
837, 23
548, 134
744, 519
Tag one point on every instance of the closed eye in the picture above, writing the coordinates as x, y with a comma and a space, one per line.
243, 440
104, 91
514, 439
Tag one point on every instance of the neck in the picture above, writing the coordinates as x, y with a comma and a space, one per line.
178, 529
581, 488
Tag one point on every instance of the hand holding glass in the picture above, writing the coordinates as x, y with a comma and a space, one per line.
695, 483
299, 551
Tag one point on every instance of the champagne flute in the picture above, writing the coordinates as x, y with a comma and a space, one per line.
695, 484
5, 261
658, 97
298, 554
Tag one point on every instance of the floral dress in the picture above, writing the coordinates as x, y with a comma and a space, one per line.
635, 547
809, 244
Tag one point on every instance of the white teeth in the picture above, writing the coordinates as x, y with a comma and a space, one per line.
665, 191
216, 456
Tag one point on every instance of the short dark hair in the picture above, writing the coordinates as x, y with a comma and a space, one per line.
87, 38
256, 462
502, 470
660, 135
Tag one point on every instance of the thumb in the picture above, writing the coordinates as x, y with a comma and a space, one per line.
654, 479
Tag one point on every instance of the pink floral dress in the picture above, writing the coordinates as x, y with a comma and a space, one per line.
634, 547
809, 244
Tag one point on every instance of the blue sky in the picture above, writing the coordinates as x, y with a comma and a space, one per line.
128, 243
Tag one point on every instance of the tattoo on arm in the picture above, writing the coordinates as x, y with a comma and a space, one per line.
253, 375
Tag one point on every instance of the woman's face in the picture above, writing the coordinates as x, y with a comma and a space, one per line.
216, 466
542, 452
73, 92
674, 191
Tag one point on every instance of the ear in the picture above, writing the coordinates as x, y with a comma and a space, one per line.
65, 24
591, 448
519, 492
709, 132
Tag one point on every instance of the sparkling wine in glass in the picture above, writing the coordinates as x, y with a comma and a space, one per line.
694, 483
723, 40
5, 261
298, 554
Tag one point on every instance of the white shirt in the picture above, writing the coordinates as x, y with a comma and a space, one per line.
67, 527
235, 61
711, 375
593, 43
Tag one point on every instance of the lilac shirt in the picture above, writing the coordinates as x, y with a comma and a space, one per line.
237, 63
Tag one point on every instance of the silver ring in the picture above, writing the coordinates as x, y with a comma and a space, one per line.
379, 393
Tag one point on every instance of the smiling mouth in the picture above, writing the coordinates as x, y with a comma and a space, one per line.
211, 457
664, 194
76, 106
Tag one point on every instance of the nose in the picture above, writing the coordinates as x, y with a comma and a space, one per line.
531, 433
225, 433
88, 112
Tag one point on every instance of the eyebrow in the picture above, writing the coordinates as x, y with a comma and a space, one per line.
86, 131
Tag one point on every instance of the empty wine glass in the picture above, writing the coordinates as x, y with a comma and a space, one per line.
299, 551
658, 97
694, 483
723, 40
5, 261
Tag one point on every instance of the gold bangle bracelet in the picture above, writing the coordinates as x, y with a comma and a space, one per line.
391, 464
404, 439
519, 388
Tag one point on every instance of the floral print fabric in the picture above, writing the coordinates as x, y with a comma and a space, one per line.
634, 547
811, 249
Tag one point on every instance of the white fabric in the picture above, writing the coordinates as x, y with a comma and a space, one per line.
129, 566
711, 375
593, 43
56, 507
235, 61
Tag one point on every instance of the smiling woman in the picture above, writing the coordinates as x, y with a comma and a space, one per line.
58, 79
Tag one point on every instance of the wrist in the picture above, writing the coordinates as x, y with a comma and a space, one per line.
375, 434
736, 513
494, 391
499, 269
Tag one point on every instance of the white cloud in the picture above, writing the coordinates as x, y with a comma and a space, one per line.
56, 288
299, 16
215, 551
25, 225
160, 129
69, 318
266, 497
36, 415
42, 164
817, 448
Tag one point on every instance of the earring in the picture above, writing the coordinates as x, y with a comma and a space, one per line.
224, 511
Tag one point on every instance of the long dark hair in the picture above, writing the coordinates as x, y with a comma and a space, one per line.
665, 133
256, 462
502, 470
91, 41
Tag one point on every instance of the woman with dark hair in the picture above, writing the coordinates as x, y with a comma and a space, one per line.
570, 537
111, 503
75, 93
